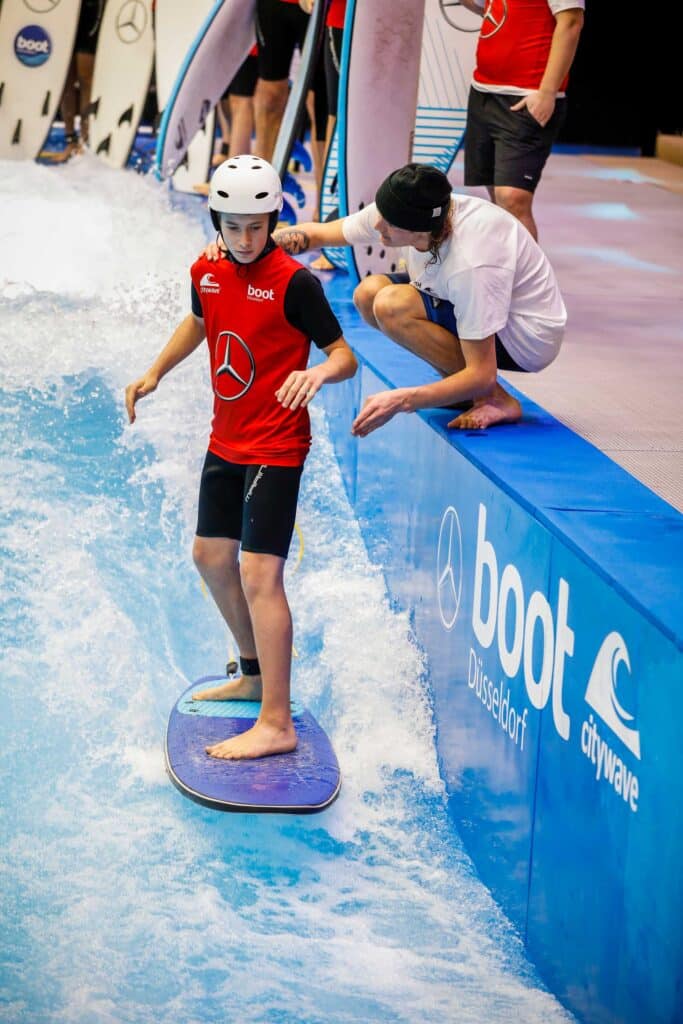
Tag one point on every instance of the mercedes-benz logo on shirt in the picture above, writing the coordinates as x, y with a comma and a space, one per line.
449, 567
41, 6
131, 21
457, 15
235, 367
494, 17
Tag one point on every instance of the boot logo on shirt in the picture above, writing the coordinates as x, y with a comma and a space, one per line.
494, 18
235, 367
260, 294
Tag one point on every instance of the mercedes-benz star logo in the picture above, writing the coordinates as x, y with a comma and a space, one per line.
131, 21
457, 15
235, 374
449, 567
41, 6
494, 17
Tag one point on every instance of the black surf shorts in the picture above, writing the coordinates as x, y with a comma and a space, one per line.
255, 505
507, 147
280, 28
244, 82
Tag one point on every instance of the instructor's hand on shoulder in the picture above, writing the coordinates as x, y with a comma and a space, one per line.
215, 250
138, 389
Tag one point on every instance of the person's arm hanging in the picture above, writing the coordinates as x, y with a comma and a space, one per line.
187, 337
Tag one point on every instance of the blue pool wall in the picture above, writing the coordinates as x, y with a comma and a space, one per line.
541, 579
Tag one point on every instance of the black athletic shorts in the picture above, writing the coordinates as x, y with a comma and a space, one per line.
280, 28
333, 47
88, 26
507, 147
253, 504
244, 82
441, 312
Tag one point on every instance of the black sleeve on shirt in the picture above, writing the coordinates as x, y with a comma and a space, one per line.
196, 303
307, 309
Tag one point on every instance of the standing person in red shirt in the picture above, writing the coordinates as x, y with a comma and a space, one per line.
517, 99
258, 309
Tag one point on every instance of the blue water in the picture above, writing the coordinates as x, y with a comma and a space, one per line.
121, 901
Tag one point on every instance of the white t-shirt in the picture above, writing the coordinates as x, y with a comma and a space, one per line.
498, 279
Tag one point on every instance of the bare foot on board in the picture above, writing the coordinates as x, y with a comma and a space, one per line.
262, 740
242, 688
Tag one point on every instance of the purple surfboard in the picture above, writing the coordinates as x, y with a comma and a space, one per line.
304, 781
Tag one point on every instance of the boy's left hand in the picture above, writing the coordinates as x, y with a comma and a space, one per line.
299, 389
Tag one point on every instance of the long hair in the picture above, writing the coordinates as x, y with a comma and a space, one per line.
439, 236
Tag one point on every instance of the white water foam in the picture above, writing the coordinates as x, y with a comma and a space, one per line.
125, 902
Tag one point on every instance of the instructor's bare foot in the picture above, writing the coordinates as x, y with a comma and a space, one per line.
242, 688
497, 407
261, 740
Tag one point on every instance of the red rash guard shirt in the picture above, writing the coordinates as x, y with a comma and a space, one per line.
253, 348
514, 43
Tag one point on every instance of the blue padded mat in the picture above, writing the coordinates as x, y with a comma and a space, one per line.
301, 782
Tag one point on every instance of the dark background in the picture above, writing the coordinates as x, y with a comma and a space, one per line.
625, 83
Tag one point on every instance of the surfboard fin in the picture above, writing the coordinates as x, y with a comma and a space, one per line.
2, 89
16, 138
104, 145
126, 116
92, 108
46, 104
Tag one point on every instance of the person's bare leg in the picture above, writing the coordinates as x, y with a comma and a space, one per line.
270, 100
217, 561
365, 294
317, 152
400, 314
322, 262
242, 124
518, 202
85, 63
273, 732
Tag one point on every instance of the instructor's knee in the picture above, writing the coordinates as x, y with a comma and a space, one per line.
364, 296
391, 306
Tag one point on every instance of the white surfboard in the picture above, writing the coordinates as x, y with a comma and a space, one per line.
221, 45
123, 71
378, 92
176, 25
449, 45
36, 42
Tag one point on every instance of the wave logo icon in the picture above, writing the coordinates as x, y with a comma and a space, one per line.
601, 692
449, 568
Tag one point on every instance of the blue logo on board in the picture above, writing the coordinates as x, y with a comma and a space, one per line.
32, 46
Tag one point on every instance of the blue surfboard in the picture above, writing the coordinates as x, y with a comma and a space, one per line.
304, 781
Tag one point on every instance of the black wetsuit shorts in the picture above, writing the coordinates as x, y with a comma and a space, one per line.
255, 505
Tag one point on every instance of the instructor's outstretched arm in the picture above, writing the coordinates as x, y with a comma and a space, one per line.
185, 339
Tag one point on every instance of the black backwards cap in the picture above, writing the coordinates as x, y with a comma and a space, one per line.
415, 197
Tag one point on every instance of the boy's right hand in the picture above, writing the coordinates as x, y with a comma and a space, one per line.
138, 389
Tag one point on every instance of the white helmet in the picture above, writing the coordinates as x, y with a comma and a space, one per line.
245, 184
